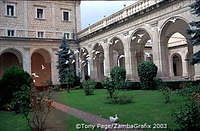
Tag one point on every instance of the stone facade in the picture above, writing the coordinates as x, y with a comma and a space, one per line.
36, 55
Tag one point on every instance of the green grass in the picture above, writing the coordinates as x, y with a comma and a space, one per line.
148, 106
9, 121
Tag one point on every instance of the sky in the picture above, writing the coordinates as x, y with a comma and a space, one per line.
93, 11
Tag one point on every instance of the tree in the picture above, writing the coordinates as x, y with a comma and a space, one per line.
195, 40
66, 59
70, 80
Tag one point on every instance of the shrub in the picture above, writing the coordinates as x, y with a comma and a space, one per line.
88, 87
87, 77
109, 85
13, 79
99, 85
188, 117
21, 99
166, 93
192, 92
159, 84
122, 99
77, 81
118, 73
133, 85
147, 71
118, 76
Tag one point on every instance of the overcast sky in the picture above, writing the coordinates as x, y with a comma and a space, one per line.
93, 11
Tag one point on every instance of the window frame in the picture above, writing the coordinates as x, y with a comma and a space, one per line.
43, 13
69, 19
67, 33
14, 9
37, 34
14, 32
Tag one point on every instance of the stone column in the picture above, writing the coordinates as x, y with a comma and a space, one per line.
196, 66
54, 70
77, 64
159, 58
27, 60
92, 68
184, 64
130, 74
171, 72
107, 62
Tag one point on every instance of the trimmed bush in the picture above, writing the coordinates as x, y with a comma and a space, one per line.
12, 81
88, 87
118, 76
118, 73
147, 71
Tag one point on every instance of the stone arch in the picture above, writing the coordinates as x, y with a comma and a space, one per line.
146, 29
140, 47
98, 61
172, 26
10, 57
177, 64
84, 62
41, 67
116, 52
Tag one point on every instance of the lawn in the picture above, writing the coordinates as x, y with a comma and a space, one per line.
9, 121
148, 106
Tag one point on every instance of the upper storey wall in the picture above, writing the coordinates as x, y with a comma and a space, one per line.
26, 24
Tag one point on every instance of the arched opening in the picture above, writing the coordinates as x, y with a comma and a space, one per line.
177, 65
9, 58
84, 63
41, 67
116, 51
173, 37
98, 62
141, 48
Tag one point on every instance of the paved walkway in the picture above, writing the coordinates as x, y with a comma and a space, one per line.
87, 117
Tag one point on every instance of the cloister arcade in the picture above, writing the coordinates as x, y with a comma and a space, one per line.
140, 46
157, 34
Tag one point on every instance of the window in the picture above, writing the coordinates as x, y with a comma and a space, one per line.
10, 10
11, 33
40, 34
65, 15
40, 13
67, 35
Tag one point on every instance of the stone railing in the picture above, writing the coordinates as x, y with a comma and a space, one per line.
125, 12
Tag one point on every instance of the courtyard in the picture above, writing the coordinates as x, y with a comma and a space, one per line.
147, 107
130, 66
